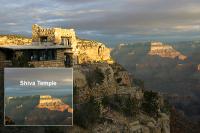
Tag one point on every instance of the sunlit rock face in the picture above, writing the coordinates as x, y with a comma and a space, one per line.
14, 40
163, 50
51, 103
198, 67
93, 51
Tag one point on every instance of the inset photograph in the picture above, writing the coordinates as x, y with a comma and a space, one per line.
38, 96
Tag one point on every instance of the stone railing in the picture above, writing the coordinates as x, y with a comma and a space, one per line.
50, 44
49, 63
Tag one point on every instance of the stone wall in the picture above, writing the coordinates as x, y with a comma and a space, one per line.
53, 63
38, 31
53, 34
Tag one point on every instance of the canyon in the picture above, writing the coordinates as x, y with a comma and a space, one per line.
171, 69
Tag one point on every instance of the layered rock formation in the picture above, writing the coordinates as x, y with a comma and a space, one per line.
14, 40
51, 103
163, 50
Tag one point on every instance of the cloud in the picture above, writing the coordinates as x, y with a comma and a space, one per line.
109, 21
187, 27
12, 24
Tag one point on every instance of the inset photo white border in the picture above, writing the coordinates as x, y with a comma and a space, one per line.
42, 68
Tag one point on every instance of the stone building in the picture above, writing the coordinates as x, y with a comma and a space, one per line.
54, 47
51, 47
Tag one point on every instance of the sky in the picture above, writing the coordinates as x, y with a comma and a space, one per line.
108, 21
62, 77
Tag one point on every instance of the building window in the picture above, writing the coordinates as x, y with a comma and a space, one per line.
65, 41
43, 39
42, 55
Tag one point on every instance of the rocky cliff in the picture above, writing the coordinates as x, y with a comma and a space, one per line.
118, 102
14, 40
100, 79
164, 50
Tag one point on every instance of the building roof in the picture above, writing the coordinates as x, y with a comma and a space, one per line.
33, 46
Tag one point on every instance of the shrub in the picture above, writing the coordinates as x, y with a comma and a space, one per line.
105, 100
95, 77
21, 61
124, 104
139, 83
166, 107
150, 103
54, 130
87, 114
131, 107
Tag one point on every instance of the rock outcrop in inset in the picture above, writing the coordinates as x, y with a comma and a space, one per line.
51, 103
